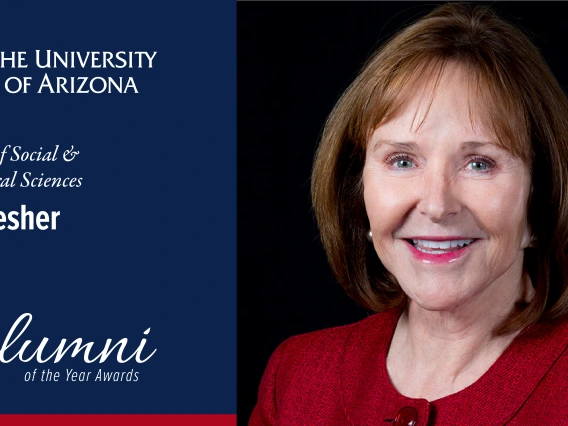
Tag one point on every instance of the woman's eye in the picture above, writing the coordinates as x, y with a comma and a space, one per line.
400, 161
477, 166
404, 164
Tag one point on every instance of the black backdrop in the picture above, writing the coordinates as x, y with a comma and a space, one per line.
294, 60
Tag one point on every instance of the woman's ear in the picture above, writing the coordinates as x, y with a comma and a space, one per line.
529, 240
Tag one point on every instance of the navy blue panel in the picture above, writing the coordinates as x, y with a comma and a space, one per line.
149, 238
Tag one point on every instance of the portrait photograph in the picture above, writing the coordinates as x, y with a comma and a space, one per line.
402, 213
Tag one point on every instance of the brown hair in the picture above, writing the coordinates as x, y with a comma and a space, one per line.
529, 114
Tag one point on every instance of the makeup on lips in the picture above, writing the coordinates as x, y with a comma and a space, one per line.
439, 249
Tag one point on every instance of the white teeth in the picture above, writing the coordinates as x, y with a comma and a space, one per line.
443, 245
431, 251
462, 243
433, 244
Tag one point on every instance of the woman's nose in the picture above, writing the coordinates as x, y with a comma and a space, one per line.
438, 197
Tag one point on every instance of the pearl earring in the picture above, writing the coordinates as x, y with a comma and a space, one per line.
369, 236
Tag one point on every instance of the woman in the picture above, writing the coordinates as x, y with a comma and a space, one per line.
439, 189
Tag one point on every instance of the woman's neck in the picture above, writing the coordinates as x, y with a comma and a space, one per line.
436, 353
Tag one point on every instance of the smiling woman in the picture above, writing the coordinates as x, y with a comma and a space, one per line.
439, 189
448, 215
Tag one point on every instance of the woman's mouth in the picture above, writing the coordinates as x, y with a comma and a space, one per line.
440, 247
439, 250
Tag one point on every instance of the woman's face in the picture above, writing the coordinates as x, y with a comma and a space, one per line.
447, 205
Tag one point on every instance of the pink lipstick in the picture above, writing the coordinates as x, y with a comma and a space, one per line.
439, 250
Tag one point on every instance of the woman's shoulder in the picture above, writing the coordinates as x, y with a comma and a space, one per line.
308, 368
318, 356
536, 374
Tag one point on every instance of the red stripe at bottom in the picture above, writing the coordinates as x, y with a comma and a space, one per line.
119, 419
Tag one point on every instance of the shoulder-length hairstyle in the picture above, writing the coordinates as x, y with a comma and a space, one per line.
526, 108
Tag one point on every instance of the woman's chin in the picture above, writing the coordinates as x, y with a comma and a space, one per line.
439, 302
448, 292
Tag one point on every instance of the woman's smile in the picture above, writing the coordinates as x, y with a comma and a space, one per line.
439, 249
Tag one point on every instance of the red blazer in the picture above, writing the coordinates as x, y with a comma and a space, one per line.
338, 377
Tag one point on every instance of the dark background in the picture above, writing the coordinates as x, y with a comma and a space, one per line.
294, 61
